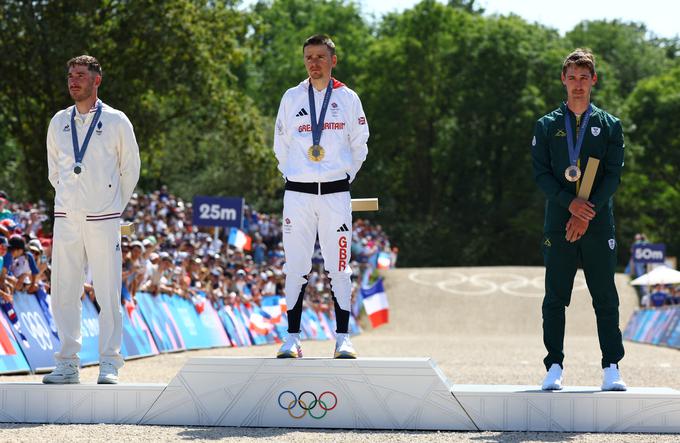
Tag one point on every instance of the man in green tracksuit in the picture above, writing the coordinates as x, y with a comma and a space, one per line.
577, 230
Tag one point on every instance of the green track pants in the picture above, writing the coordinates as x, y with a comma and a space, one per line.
596, 252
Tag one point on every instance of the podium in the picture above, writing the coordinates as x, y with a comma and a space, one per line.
399, 394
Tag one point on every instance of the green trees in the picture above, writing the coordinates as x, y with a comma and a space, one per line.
450, 120
651, 200
451, 96
171, 66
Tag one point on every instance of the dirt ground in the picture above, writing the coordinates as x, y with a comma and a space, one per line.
481, 325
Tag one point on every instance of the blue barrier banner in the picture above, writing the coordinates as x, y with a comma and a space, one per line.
672, 339
185, 316
659, 326
137, 338
243, 312
44, 301
327, 325
39, 345
255, 323
194, 331
218, 211
213, 326
230, 323
309, 324
354, 328
89, 328
163, 326
12, 360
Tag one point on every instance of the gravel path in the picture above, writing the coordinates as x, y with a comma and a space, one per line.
481, 325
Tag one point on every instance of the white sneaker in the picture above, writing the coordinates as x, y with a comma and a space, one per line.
291, 347
612, 379
343, 347
66, 372
108, 374
553, 379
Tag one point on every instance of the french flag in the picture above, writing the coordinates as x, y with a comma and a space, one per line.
384, 260
260, 322
272, 306
240, 239
375, 303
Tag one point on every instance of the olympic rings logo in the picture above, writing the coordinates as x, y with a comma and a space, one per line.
308, 404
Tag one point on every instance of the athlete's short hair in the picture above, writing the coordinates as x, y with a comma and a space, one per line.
581, 57
320, 39
86, 60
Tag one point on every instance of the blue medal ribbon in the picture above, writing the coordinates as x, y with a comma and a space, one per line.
575, 151
317, 128
79, 152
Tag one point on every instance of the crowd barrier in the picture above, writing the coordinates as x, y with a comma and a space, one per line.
155, 324
657, 326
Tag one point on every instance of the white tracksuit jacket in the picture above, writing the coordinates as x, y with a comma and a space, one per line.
87, 213
344, 136
344, 139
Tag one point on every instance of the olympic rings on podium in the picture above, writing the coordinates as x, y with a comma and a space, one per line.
308, 404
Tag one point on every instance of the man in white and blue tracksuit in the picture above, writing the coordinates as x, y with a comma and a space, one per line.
93, 161
320, 143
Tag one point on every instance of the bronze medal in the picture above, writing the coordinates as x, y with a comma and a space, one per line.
572, 173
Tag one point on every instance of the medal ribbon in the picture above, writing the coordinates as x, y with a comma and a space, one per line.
78, 152
574, 151
317, 128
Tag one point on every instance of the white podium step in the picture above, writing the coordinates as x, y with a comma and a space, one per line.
310, 393
574, 409
409, 394
83, 403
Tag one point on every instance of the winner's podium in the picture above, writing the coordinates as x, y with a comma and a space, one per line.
310, 393
400, 394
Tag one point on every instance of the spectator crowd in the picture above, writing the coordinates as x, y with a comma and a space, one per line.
167, 254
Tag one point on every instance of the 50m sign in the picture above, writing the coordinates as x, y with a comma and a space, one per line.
217, 211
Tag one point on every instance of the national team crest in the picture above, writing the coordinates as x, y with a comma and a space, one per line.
595, 131
612, 244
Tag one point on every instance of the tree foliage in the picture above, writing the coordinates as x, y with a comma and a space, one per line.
171, 66
451, 96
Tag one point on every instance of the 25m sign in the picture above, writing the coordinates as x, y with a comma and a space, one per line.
218, 211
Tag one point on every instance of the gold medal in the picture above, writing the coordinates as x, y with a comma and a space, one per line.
316, 153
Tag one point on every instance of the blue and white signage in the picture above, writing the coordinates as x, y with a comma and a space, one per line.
218, 211
649, 253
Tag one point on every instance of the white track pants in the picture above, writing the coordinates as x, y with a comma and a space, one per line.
331, 216
96, 243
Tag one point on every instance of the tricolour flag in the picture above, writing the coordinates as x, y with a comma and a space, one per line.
240, 239
272, 306
384, 260
375, 303
260, 322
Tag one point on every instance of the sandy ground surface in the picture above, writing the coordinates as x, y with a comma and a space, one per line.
481, 325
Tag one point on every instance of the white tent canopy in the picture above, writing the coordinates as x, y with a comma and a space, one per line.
661, 275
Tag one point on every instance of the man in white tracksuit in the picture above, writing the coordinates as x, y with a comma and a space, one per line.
320, 143
93, 161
